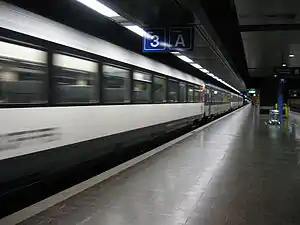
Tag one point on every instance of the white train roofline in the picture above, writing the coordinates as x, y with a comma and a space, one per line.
22, 21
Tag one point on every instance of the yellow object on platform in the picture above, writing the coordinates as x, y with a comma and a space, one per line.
285, 109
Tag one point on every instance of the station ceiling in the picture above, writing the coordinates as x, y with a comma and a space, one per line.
210, 51
271, 34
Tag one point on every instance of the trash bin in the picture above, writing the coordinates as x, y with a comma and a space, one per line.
274, 117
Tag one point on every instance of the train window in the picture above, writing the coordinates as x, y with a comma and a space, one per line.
116, 85
202, 94
215, 96
190, 94
172, 91
22, 75
228, 98
220, 97
196, 94
159, 89
182, 92
141, 87
207, 96
74, 80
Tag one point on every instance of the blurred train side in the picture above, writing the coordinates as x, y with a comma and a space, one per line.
68, 98
219, 101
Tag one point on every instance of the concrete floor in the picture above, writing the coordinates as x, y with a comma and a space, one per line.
236, 171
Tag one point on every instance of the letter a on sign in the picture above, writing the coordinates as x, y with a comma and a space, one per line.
180, 41
181, 38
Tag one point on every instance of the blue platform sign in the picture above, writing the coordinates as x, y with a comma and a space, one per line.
168, 39
153, 42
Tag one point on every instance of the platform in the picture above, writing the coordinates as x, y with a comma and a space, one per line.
236, 171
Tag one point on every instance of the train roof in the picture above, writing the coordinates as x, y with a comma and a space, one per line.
218, 88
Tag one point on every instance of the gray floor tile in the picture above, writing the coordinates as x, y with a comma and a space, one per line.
237, 171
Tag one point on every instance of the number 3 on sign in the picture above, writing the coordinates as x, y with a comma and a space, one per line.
154, 41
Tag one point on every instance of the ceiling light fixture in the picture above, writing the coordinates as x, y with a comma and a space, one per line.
283, 64
99, 7
164, 44
204, 70
196, 65
136, 29
275, 75
184, 58
291, 55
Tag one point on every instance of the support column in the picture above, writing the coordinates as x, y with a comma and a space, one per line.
280, 100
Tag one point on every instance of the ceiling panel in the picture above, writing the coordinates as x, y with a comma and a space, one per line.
268, 11
159, 13
153, 12
204, 55
269, 48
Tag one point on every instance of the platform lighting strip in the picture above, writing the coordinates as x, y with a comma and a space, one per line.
185, 58
197, 66
192, 63
106, 11
100, 8
139, 31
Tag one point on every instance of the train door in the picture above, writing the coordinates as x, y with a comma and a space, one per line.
210, 102
207, 101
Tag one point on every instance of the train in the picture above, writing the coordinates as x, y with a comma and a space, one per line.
67, 97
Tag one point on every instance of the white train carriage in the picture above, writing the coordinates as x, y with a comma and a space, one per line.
67, 97
217, 101
236, 101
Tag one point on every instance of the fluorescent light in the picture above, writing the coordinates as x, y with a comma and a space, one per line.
218, 79
275, 75
99, 7
136, 29
196, 65
204, 70
283, 64
291, 55
106, 11
184, 58
213, 76
165, 44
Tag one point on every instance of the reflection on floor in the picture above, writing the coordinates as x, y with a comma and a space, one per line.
237, 171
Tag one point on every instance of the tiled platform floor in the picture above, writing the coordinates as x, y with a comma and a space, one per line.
237, 171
